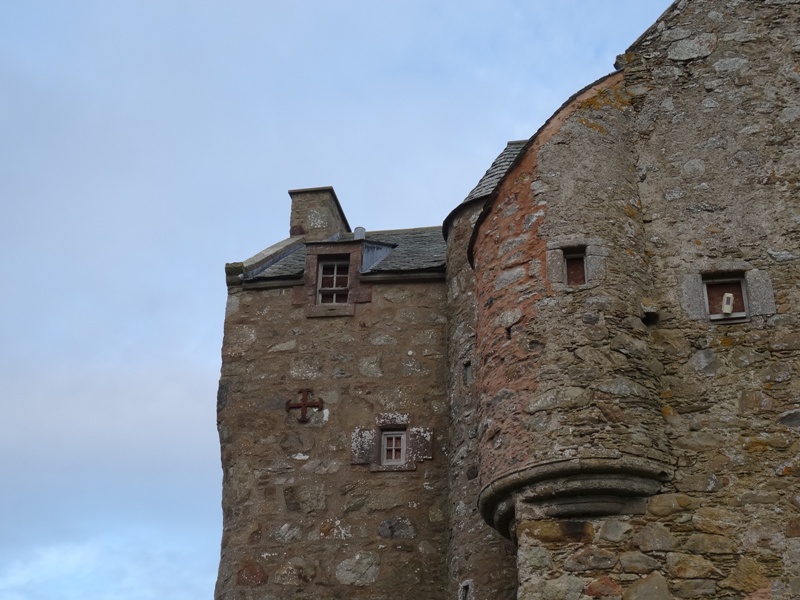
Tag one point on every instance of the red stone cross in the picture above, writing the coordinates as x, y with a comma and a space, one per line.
304, 404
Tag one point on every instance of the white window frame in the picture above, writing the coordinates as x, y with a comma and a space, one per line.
394, 435
341, 265
718, 316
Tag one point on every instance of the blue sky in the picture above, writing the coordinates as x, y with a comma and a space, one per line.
143, 144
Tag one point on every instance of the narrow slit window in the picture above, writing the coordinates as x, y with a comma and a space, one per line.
465, 591
333, 279
726, 299
393, 448
575, 266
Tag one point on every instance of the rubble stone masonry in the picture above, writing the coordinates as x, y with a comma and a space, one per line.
301, 521
596, 368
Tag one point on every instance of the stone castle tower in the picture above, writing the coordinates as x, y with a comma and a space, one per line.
586, 384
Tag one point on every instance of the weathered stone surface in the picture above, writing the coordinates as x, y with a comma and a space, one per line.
702, 483
557, 531
396, 528
636, 562
688, 566
571, 397
362, 569
370, 366
508, 277
591, 559
307, 499
565, 587
705, 362
747, 576
533, 559
603, 587
652, 587
699, 442
251, 574
707, 543
654, 537
764, 593
695, 47
714, 520
695, 588
615, 531
793, 528
296, 570
667, 504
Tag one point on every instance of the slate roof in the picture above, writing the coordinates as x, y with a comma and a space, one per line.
418, 249
421, 248
499, 167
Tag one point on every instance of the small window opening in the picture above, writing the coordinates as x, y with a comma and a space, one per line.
468, 373
650, 319
393, 447
726, 299
465, 591
333, 280
575, 266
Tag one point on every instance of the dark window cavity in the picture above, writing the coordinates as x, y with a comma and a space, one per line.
726, 298
333, 279
575, 266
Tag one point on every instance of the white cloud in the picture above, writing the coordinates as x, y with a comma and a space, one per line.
53, 563
137, 566
146, 143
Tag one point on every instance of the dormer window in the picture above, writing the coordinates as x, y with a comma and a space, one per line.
333, 279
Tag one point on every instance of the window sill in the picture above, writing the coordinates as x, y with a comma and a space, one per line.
330, 310
409, 466
720, 319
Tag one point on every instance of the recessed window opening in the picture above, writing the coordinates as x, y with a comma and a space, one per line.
464, 591
650, 319
575, 265
393, 447
468, 372
726, 298
333, 279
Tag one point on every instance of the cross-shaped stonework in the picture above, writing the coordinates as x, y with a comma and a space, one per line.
304, 404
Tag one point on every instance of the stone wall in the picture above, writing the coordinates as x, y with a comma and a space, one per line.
627, 445
717, 94
686, 172
570, 414
300, 520
481, 563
